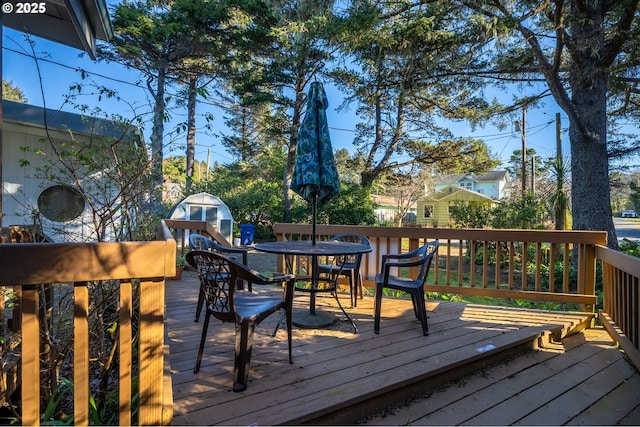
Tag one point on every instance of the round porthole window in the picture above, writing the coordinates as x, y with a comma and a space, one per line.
60, 203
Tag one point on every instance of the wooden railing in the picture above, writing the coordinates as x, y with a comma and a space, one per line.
26, 267
621, 306
500, 274
498, 257
496, 271
180, 229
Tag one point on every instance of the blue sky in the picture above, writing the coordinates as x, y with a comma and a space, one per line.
59, 70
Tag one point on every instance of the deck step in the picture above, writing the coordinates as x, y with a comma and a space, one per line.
402, 383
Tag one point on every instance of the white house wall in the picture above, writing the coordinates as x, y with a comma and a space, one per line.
20, 187
23, 184
503, 189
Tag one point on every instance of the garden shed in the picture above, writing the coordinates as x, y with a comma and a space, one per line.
205, 207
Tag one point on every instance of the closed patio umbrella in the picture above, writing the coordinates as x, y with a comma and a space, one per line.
315, 176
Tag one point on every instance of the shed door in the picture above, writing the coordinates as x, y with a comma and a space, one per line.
225, 229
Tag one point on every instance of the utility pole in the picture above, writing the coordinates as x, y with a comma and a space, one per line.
208, 160
533, 175
522, 127
558, 138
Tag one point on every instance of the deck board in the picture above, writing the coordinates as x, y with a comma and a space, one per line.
335, 370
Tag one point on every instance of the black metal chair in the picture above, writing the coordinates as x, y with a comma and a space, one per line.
348, 266
219, 277
203, 243
421, 258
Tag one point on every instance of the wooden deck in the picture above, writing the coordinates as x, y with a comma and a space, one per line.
339, 377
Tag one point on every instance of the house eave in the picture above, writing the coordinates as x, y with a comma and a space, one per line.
75, 23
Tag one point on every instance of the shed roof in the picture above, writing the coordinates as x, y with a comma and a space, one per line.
203, 199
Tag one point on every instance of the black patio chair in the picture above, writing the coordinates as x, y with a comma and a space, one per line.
219, 277
421, 258
200, 242
349, 266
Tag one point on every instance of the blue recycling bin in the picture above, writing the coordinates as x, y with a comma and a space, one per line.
246, 234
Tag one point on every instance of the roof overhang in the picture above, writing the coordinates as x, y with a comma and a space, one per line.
69, 123
75, 23
474, 196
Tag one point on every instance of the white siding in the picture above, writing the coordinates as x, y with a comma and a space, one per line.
23, 183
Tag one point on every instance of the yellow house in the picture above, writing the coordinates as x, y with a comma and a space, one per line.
434, 209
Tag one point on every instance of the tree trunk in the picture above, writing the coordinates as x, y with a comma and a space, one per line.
157, 147
372, 169
191, 129
286, 179
590, 201
293, 149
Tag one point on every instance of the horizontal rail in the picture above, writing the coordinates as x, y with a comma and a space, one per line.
180, 228
558, 236
78, 262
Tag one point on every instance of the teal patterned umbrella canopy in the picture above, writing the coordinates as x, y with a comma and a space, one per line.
315, 176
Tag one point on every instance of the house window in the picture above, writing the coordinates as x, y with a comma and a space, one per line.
428, 211
466, 185
60, 203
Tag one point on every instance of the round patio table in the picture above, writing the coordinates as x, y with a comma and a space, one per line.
314, 318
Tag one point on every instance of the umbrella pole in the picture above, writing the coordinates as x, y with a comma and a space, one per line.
314, 210
314, 259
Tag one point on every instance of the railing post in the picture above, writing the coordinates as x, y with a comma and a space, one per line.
280, 260
125, 337
414, 243
587, 273
151, 352
30, 356
81, 354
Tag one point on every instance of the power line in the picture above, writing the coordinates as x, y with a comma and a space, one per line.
213, 103
220, 104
